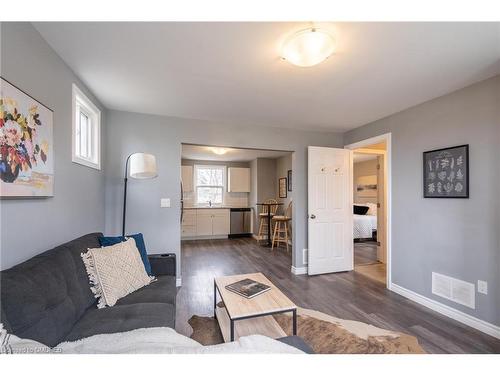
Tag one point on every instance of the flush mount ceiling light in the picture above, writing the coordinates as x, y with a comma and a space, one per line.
219, 150
308, 47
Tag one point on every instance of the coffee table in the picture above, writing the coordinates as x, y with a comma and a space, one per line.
242, 316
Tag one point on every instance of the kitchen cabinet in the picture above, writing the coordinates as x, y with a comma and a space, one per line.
205, 222
187, 178
221, 223
238, 180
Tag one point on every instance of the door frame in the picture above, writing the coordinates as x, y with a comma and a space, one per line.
388, 187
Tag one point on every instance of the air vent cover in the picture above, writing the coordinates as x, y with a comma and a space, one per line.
455, 290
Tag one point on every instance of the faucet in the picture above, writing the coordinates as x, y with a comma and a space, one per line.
210, 203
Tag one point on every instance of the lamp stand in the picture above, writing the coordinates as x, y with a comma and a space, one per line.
125, 195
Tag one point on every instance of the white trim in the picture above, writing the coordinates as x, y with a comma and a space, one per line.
388, 170
178, 282
299, 270
448, 311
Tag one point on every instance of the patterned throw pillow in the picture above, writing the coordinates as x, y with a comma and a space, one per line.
115, 271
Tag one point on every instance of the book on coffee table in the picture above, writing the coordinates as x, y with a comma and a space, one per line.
248, 288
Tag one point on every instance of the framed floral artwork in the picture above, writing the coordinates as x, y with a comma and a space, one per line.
26, 144
446, 172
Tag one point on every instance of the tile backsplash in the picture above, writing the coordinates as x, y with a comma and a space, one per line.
230, 199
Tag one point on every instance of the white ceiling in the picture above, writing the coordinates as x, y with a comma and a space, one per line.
195, 152
232, 73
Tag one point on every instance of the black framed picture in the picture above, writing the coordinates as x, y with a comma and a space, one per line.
289, 180
446, 172
282, 187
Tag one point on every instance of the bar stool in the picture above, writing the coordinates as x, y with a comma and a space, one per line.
263, 217
282, 229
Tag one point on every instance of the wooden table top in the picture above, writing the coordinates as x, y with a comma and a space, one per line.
239, 307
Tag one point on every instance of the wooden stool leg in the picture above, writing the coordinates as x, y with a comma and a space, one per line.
286, 235
262, 228
274, 235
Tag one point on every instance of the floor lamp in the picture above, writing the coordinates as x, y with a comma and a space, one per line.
142, 166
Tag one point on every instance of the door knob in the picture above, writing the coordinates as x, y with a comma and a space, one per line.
313, 216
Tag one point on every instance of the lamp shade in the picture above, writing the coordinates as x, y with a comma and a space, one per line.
142, 166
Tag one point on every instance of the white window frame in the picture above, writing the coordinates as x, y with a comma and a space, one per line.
81, 103
223, 186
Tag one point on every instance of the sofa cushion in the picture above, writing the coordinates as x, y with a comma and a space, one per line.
123, 318
115, 271
139, 241
163, 290
45, 296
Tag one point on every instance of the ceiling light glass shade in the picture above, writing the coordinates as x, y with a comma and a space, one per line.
308, 47
142, 166
219, 150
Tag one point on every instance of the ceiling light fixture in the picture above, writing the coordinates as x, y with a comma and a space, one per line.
308, 47
219, 150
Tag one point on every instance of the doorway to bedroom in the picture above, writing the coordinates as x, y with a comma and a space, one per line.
370, 209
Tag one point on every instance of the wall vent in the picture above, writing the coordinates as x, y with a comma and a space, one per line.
455, 290
304, 256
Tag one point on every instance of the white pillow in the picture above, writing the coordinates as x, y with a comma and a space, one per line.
115, 271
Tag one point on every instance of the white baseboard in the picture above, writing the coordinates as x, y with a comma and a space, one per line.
178, 282
299, 270
448, 311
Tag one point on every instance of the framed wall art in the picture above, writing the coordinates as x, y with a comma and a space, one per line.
282, 187
446, 172
26, 145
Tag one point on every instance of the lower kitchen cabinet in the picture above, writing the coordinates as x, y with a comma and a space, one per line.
206, 222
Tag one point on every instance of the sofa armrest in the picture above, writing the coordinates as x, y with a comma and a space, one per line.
297, 342
163, 264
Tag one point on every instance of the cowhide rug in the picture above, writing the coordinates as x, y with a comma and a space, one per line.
324, 333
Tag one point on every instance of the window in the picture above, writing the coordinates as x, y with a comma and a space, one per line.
86, 142
209, 180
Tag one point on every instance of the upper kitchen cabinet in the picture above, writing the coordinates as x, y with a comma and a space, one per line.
238, 180
187, 178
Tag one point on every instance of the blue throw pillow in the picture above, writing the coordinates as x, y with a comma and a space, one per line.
139, 241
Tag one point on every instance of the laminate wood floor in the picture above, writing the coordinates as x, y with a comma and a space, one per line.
347, 295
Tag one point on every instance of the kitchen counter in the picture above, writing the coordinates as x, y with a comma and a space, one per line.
212, 207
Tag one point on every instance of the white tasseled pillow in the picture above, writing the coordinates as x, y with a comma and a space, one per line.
115, 271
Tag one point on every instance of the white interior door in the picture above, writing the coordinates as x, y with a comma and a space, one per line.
330, 218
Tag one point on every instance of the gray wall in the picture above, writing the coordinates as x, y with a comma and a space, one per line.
266, 179
455, 237
30, 226
283, 165
364, 168
162, 136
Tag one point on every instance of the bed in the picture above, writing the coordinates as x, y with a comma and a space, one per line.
364, 225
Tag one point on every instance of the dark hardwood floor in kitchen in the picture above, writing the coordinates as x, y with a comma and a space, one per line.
347, 295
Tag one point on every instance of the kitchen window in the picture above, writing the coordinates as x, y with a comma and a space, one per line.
86, 142
210, 183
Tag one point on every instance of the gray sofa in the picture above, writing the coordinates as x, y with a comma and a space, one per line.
48, 299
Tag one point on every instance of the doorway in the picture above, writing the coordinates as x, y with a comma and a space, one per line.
222, 189
371, 208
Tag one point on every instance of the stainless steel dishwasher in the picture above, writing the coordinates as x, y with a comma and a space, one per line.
241, 222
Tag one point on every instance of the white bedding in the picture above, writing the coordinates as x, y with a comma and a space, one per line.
364, 226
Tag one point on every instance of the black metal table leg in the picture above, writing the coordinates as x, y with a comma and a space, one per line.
232, 330
295, 322
269, 226
215, 300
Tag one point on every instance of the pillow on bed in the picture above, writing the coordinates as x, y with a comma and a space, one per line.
372, 209
360, 210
